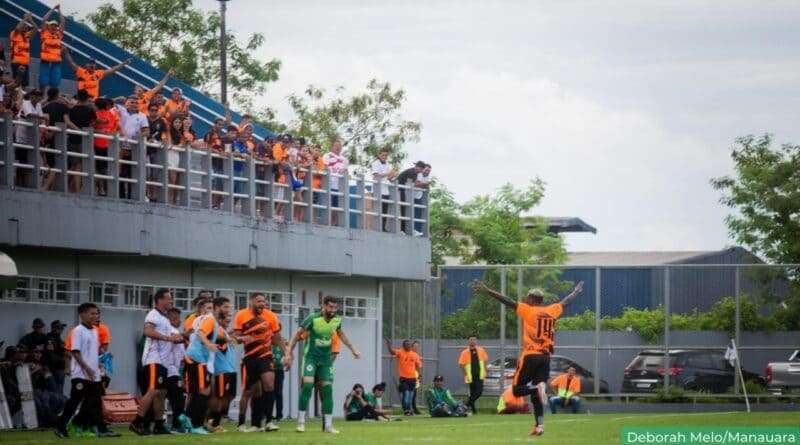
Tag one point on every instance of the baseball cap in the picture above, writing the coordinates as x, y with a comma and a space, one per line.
438, 378
58, 324
38, 323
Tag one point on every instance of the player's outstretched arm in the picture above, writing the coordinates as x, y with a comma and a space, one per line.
346, 341
388, 345
577, 290
479, 286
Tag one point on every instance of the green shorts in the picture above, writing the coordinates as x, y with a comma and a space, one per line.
321, 371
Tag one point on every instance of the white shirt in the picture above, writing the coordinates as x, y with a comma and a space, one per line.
27, 108
381, 168
423, 179
337, 165
131, 124
87, 342
178, 352
157, 351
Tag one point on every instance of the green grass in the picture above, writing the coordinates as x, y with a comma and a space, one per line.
482, 429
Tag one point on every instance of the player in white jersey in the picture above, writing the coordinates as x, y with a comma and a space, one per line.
85, 371
158, 348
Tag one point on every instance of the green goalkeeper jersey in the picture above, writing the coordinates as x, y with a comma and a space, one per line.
320, 337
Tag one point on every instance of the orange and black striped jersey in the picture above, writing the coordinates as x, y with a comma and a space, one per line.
539, 326
260, 328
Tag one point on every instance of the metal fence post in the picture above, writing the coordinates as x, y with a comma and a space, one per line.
185, 163
503, 290
7, 135
666, 328
308, 183
326, 185
163, 193
113, 166
37, 154
344, 200
208, 181
227, 167
139, 154
87, 147
426, 213
395, 189
361, 201
289, 210
737, 322
597, 322
63, 159
251, 187
269, 189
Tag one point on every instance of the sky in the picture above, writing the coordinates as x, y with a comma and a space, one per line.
625, 109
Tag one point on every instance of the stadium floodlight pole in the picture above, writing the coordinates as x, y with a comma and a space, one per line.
223, 53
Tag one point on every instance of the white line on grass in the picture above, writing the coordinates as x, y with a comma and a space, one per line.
675, 414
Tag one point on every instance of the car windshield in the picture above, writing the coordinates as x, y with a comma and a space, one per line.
647, 361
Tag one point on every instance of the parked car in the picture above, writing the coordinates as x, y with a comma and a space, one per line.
782, 376
705, 370
558, 365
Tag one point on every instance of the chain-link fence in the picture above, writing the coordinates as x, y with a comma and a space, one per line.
661, 332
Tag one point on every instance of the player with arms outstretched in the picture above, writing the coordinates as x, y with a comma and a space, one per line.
318, 359
539, 325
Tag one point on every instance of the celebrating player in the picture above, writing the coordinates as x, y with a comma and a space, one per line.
259, 329
318, 359
533, 366
224, 384
200, 365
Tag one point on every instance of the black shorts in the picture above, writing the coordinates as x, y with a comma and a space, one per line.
225, 385
534, 368
407, 384
154, 376
254, 367
197, 377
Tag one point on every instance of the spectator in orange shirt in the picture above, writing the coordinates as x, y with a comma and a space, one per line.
567, 386
107, 123
146, 96
89, 76
279, 156
408, 365
51, 35
20, 40
176, 105
104, 335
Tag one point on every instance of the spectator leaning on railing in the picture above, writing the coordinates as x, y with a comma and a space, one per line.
80, 116
133, 124
382, 174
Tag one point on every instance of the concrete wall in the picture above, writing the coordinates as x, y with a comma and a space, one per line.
63, 221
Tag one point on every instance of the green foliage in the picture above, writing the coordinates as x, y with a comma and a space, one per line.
673, 394
365, 123
649, 323
444, 222
765, 194
175, 34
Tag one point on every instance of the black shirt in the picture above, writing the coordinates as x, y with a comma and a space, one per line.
475, 364
409, 174
54, 353
56, 110
83, 116
158, 129
32, 340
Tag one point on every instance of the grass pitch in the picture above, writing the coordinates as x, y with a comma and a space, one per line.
560, 429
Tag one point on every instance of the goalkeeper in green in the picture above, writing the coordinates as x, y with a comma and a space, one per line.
317, 330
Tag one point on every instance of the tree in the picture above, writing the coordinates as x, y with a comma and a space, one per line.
765, 193
175, 34
500, 234
365, 122
445, 221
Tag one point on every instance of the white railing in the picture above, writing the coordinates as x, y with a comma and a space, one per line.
138, 170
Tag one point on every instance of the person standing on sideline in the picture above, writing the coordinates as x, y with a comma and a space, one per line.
55, 354
416, 347
280, 374
175, 391
318, 359
408, 365
159, 338
567, 386
51, 34
539, 325
473, 364
85, 372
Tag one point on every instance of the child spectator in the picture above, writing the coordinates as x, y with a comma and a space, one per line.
176, 139
107, 123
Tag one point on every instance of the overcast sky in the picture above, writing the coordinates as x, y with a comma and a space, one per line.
625, 109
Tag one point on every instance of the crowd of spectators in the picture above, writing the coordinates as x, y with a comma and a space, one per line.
165, 120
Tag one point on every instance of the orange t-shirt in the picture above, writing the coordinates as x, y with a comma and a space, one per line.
316, 180
171, 108
104, 334
51, 45
538, 325
260, 328
466, 356
187, 324
20, 47
144, 101
279, 154
108, 126
336, 344
560, 382
89, 81
407, 362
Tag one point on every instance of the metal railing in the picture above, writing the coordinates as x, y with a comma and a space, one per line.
54, 158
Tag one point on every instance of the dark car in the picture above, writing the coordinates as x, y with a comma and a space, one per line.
558, 365
706, 371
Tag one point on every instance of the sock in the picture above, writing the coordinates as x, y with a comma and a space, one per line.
216, 418
200, 409
301, 417
269, 404
538, 409
305, 395
256, 411
159, 424
242, 413
328, 419
327, 400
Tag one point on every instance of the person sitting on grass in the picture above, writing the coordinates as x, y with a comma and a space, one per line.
361, 406
441, 403
567, 386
